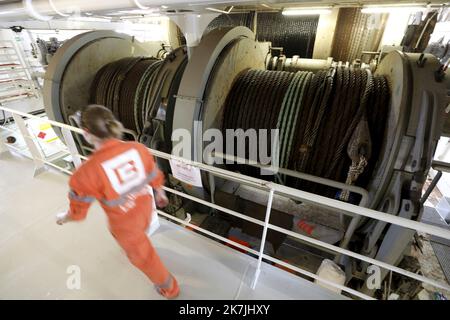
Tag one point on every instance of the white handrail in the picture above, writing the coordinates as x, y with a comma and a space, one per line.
54, 123
300, 175
280, 262
347, 208
278, 189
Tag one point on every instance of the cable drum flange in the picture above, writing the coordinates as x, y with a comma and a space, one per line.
73, 68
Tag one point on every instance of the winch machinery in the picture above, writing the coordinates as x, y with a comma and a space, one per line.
376, 130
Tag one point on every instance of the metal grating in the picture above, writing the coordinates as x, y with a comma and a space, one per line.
295, 34
441, 246
357, 32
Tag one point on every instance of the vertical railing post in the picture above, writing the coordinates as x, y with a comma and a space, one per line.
39, 165
263, 239
70, 143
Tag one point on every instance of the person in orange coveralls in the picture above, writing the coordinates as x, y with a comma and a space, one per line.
118, 174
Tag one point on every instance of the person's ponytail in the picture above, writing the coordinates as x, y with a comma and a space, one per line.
115, 128
100, 122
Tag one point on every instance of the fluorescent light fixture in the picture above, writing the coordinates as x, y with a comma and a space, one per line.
137, 12
394, 8
222, 3
306, 11
7, 12
88, 19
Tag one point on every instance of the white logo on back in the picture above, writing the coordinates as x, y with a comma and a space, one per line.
125, 171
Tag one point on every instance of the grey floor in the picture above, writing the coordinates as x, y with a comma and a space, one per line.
36, 254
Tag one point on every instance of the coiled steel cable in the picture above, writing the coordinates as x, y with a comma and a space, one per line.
295, 34
126, 87
255, 108
316, 115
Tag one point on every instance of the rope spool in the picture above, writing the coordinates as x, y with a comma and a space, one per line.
316, 115
127, 87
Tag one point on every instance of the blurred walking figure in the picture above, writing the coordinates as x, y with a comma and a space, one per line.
118, 174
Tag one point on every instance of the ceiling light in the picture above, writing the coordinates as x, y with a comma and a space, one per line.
394, 8
306, 11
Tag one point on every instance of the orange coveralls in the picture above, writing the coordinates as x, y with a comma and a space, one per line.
118, 175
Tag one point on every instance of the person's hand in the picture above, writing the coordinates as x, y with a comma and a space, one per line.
62, 217
161, 198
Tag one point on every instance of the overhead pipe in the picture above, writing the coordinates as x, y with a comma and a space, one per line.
56, 10
47, 9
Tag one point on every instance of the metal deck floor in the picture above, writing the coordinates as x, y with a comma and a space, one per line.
35, 252
440, 246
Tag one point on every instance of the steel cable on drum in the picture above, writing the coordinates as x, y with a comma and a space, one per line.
316, 115
360, 113
320, 103
126, 87
296, 34
251, 111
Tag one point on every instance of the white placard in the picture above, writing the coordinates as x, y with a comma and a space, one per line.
45, 136
186, 173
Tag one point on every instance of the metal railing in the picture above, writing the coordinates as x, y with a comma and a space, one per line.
270, 187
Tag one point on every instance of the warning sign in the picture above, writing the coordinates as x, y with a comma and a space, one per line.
41, 135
